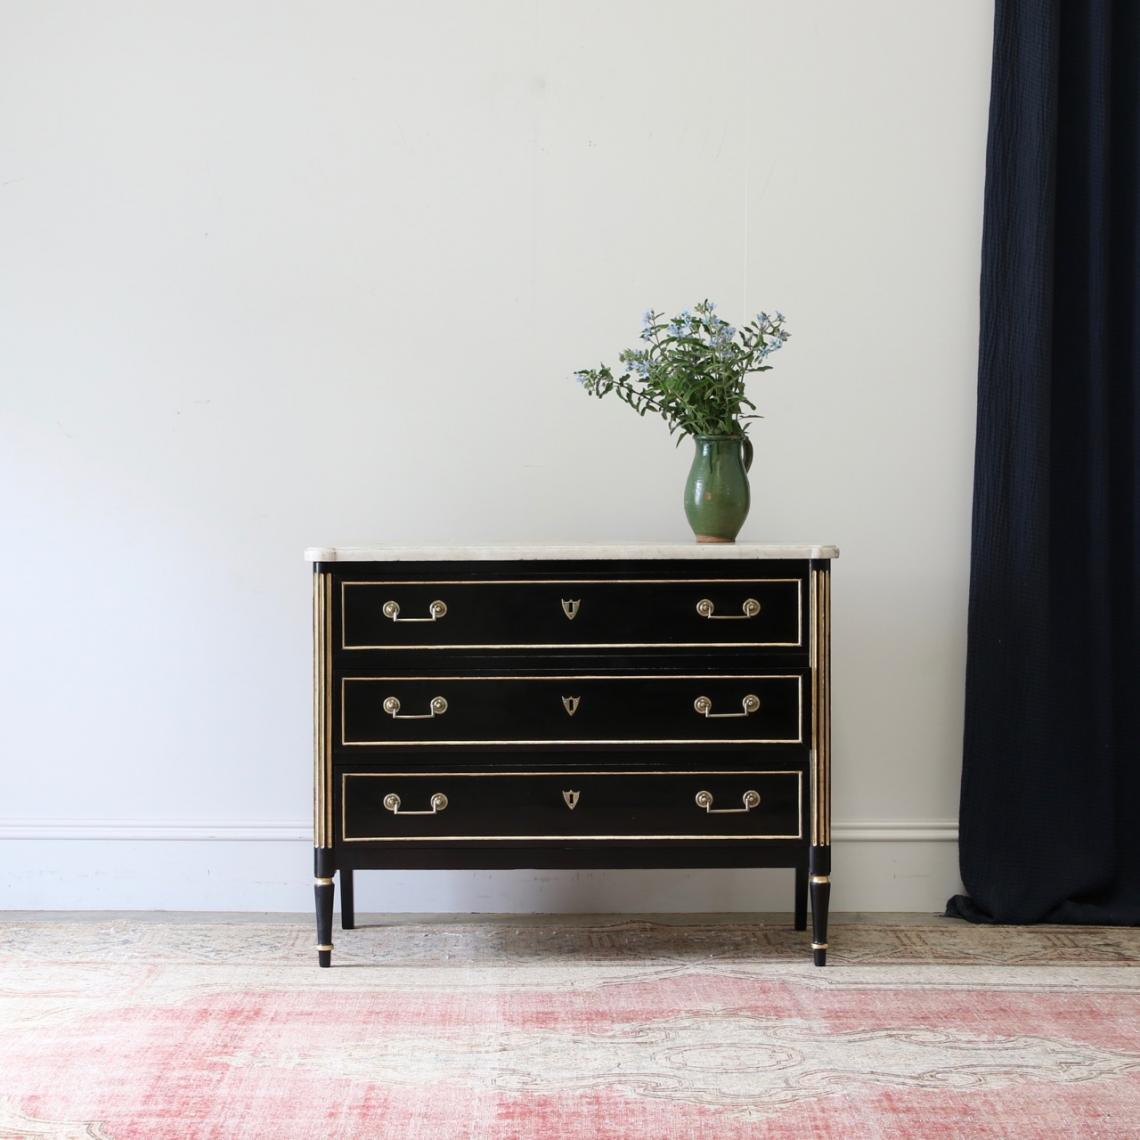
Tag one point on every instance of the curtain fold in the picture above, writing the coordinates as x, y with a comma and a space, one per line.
1050, 805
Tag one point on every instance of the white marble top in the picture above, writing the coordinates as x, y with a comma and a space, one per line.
510, 552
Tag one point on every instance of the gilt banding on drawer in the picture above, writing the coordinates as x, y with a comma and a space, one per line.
606, 804
574, 613
526, 710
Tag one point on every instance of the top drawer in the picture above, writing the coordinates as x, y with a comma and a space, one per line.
572, 613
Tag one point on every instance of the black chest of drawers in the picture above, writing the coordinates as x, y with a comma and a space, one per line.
572, 707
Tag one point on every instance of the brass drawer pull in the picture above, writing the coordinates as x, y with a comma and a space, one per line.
751, 608
438, 803
704, 706
437, 707
435, 611
750, 799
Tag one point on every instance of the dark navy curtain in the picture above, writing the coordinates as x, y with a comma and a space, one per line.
1050, 810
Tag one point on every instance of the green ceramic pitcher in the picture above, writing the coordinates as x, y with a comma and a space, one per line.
716, 492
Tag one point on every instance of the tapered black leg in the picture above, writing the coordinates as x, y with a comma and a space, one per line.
323, 889
801, 897
347, 909
820, 897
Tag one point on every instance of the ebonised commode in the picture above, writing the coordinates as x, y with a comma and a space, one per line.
572, 706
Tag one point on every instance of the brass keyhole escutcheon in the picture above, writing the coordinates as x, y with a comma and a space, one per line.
571, 799
570, 704
570, 608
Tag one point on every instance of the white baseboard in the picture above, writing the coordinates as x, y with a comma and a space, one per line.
895, 831
266, 865
165, 830
246, 831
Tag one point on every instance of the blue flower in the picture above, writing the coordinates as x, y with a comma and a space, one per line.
762, 318
647, 318
721, 334
677, 329
779, 317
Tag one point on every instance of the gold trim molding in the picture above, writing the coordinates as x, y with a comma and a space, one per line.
741, 644
346, 838
395, 743
322, 710
820, 656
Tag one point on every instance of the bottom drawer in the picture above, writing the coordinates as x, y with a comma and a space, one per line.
386, 807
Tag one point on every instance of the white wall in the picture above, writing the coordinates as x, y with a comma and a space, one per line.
273, 275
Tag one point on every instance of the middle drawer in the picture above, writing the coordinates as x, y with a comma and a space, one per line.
574, 709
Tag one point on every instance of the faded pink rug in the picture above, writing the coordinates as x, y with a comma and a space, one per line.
592, 1029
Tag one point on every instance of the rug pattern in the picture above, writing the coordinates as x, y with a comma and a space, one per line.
567, 1029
